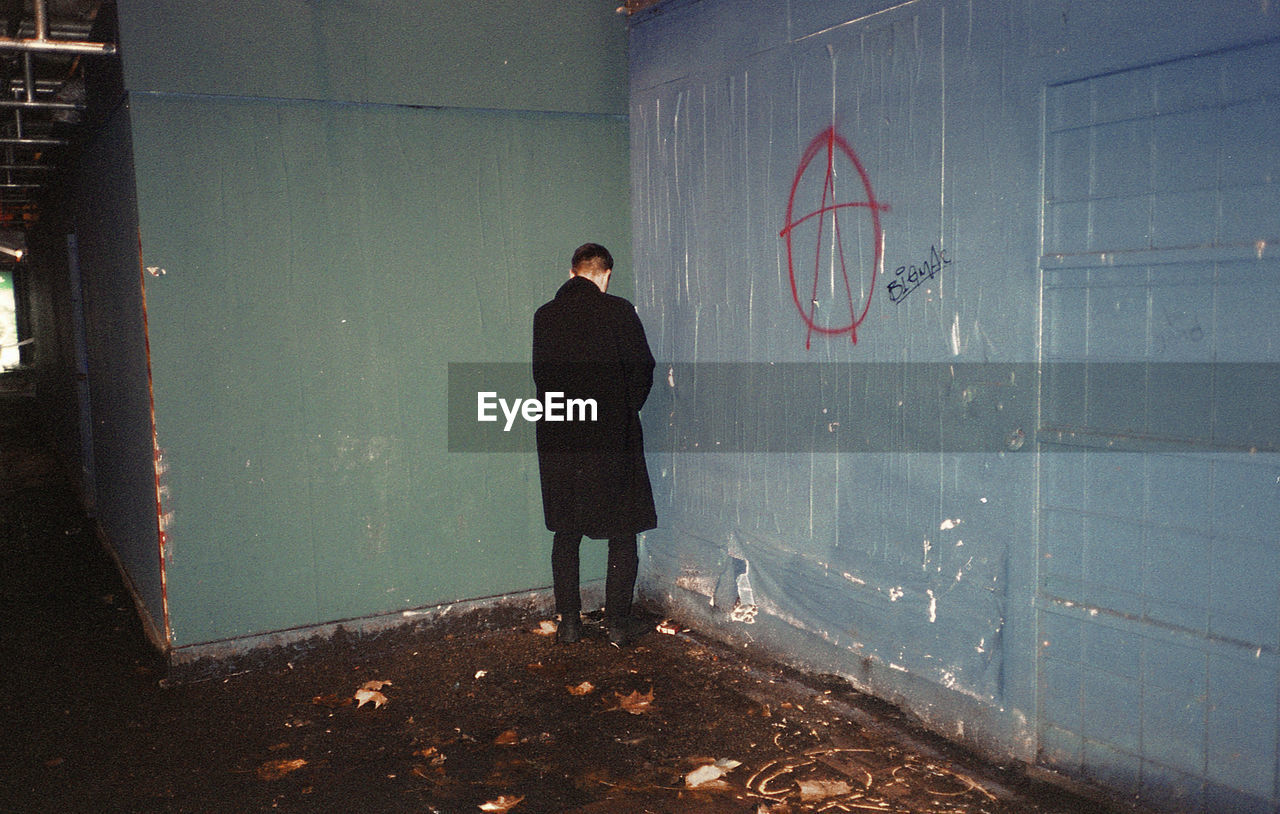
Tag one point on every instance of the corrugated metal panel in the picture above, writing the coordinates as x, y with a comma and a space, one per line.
1159, 597
790, 195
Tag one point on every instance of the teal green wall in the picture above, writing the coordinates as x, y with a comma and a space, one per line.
542, 55
322, 248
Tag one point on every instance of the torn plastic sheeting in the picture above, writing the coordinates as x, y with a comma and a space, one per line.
953, 628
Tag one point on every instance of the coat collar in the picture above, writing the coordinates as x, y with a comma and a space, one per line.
578, 286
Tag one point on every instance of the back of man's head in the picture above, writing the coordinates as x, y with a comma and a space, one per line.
591, 259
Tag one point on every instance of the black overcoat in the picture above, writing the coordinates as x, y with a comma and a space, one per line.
591, 345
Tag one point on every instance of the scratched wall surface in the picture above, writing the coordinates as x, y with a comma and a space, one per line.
1159, 591
313, 261
492, 55
776, 199
908, 217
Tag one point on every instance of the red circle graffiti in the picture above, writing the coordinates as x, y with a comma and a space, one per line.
832, 141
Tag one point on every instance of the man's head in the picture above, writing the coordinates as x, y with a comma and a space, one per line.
593, 261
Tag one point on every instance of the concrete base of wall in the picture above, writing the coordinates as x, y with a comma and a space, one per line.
211, 659
951, 715
954, 715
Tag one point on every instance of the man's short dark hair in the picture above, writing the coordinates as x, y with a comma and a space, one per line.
591, 257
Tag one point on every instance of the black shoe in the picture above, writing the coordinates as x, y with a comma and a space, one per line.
569, 631
625, 632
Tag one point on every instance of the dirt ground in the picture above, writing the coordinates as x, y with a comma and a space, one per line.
478, 718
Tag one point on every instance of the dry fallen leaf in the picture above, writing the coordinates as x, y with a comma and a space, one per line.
635, 703
276, 769
585, 688
431, 754
822, 789
703, 775
546, 628
375, 685
710, 774
503, 803
364, 696
332, 700
508, 738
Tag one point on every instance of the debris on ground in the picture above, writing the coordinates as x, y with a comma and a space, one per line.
276, 769
710, 773
503, 803
635, 702
94, 720
370, 693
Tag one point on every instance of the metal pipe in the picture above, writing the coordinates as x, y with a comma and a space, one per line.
42, 43
29, 84
34, 142
42, 85
42, 19
18, 103
59, 30
28, 77
58, 46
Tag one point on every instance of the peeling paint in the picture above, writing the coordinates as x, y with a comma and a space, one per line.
696, 584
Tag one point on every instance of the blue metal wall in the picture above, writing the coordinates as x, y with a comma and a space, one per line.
962, 256
1159, 605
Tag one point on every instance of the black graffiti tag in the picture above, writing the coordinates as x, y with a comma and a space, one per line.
908, 278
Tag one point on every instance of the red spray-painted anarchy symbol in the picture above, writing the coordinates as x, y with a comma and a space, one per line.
833, 144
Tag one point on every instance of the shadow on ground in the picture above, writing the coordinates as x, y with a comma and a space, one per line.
476, 719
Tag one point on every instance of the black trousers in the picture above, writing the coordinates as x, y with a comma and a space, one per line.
619, 583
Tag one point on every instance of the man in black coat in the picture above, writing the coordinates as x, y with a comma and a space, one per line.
590, 351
